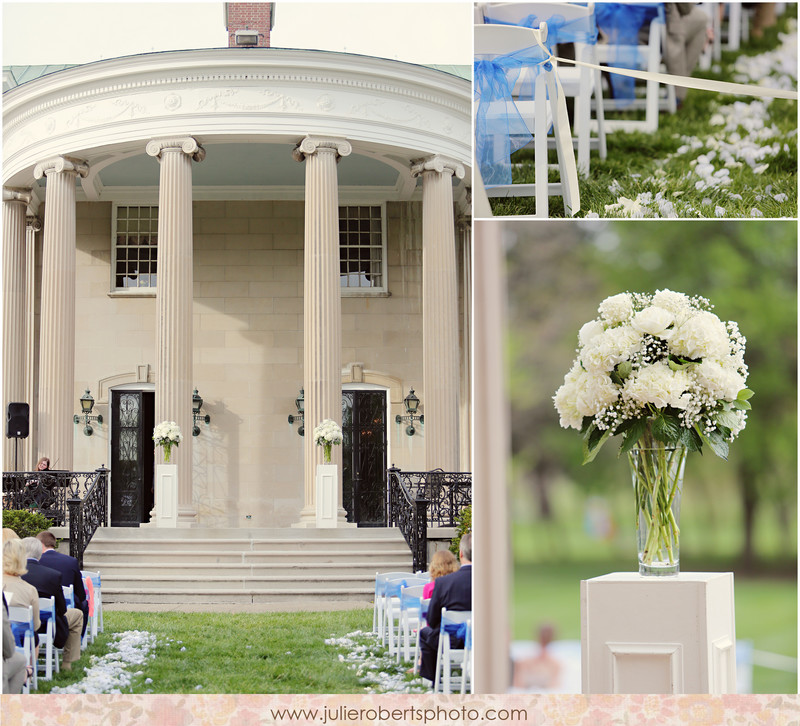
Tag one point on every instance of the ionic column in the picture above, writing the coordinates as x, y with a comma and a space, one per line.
15, 203
464, 251
174, 297
33, 225
322, 308
439, 312
57, 329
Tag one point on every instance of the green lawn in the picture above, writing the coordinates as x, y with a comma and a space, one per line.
235, 652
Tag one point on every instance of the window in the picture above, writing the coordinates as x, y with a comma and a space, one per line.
361, 249
135, 247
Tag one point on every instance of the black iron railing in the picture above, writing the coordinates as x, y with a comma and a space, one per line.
87, 514
77, 498
419, 499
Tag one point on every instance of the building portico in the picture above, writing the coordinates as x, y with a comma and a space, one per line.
270, 276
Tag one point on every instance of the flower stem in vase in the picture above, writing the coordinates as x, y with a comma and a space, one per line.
657, 480
327, 451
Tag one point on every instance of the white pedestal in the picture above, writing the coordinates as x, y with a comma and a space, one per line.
327, 495
658, 634
166, 496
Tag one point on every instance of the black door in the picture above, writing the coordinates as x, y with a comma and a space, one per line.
364, 457
132, 457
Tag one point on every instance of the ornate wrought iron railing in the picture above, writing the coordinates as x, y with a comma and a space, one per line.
419, 499
77, 498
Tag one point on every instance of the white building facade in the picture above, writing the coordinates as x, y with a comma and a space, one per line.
247, 223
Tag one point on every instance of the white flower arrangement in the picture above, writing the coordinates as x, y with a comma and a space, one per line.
167, 434
326, 434
658, 369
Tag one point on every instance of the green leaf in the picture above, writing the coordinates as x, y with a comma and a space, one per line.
592, 444
727, 418
744, 394
691, 440
679, 364
667, 428
624, 369
587, 422
634, 432
741, 405
716, 441
616, 378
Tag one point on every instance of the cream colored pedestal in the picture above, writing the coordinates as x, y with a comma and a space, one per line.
326, 495
658, 634
165, 512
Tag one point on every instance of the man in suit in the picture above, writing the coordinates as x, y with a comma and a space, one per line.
454, 592
70, 572
69, 621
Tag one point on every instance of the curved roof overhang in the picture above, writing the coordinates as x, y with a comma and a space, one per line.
249, 108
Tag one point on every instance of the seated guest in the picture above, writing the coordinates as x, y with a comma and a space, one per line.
453, 592
70, 572
69, 621
22, 593
443, 562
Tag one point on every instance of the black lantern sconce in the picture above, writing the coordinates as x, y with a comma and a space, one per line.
411, 403
197, 404
87, 404
300, 416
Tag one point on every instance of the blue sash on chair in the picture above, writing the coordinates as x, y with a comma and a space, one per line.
499, 128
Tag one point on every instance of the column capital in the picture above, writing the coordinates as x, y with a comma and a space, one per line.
33, 223
437, 163
312, 144
188, 145
12, 194
60, 164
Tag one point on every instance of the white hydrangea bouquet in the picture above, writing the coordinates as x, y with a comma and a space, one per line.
327, 434
667, 375
167, 434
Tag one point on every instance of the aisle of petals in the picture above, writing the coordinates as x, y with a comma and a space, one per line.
739, 147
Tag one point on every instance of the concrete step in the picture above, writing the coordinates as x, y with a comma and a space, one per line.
194, 566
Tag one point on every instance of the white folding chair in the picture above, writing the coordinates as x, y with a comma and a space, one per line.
547, 108
467, 667
446, 655
410, 599
381, 578
578, 82
21, 619
95, 621
646, 57
69, 595
423, 611
47, 616
391, 603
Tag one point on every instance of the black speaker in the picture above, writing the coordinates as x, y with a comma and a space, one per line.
17, 421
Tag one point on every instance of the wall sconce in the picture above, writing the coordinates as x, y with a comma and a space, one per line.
411, 403
197, 404
87, 403
300, 416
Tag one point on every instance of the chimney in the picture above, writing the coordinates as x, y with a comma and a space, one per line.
249, 24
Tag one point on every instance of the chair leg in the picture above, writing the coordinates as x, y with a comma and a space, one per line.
568, 171
600, 113
540, 149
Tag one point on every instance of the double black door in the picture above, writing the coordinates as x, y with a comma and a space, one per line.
364, 457
132, 457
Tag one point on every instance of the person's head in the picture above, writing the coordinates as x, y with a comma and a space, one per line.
465, 549
546, 634
33, 548
443, 562
48, 540
9, 534
14, 557
43, 465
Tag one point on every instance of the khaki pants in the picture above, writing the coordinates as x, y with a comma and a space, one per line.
72, 648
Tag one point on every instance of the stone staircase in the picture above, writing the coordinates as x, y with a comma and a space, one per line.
254, 566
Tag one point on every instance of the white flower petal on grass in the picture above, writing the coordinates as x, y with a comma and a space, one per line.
706, 202
780, 197
760, 169
756, 212
719, 211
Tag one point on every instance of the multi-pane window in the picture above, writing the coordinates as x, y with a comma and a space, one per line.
361, 250
136, 247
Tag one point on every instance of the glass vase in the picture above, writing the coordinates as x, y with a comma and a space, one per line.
657, 484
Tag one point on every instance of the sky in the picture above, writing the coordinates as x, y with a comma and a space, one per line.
40, 33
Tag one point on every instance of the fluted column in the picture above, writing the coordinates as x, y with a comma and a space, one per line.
174, 297
33, 225
15, 203
440, 366
57, 349
464, 250
322, 307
